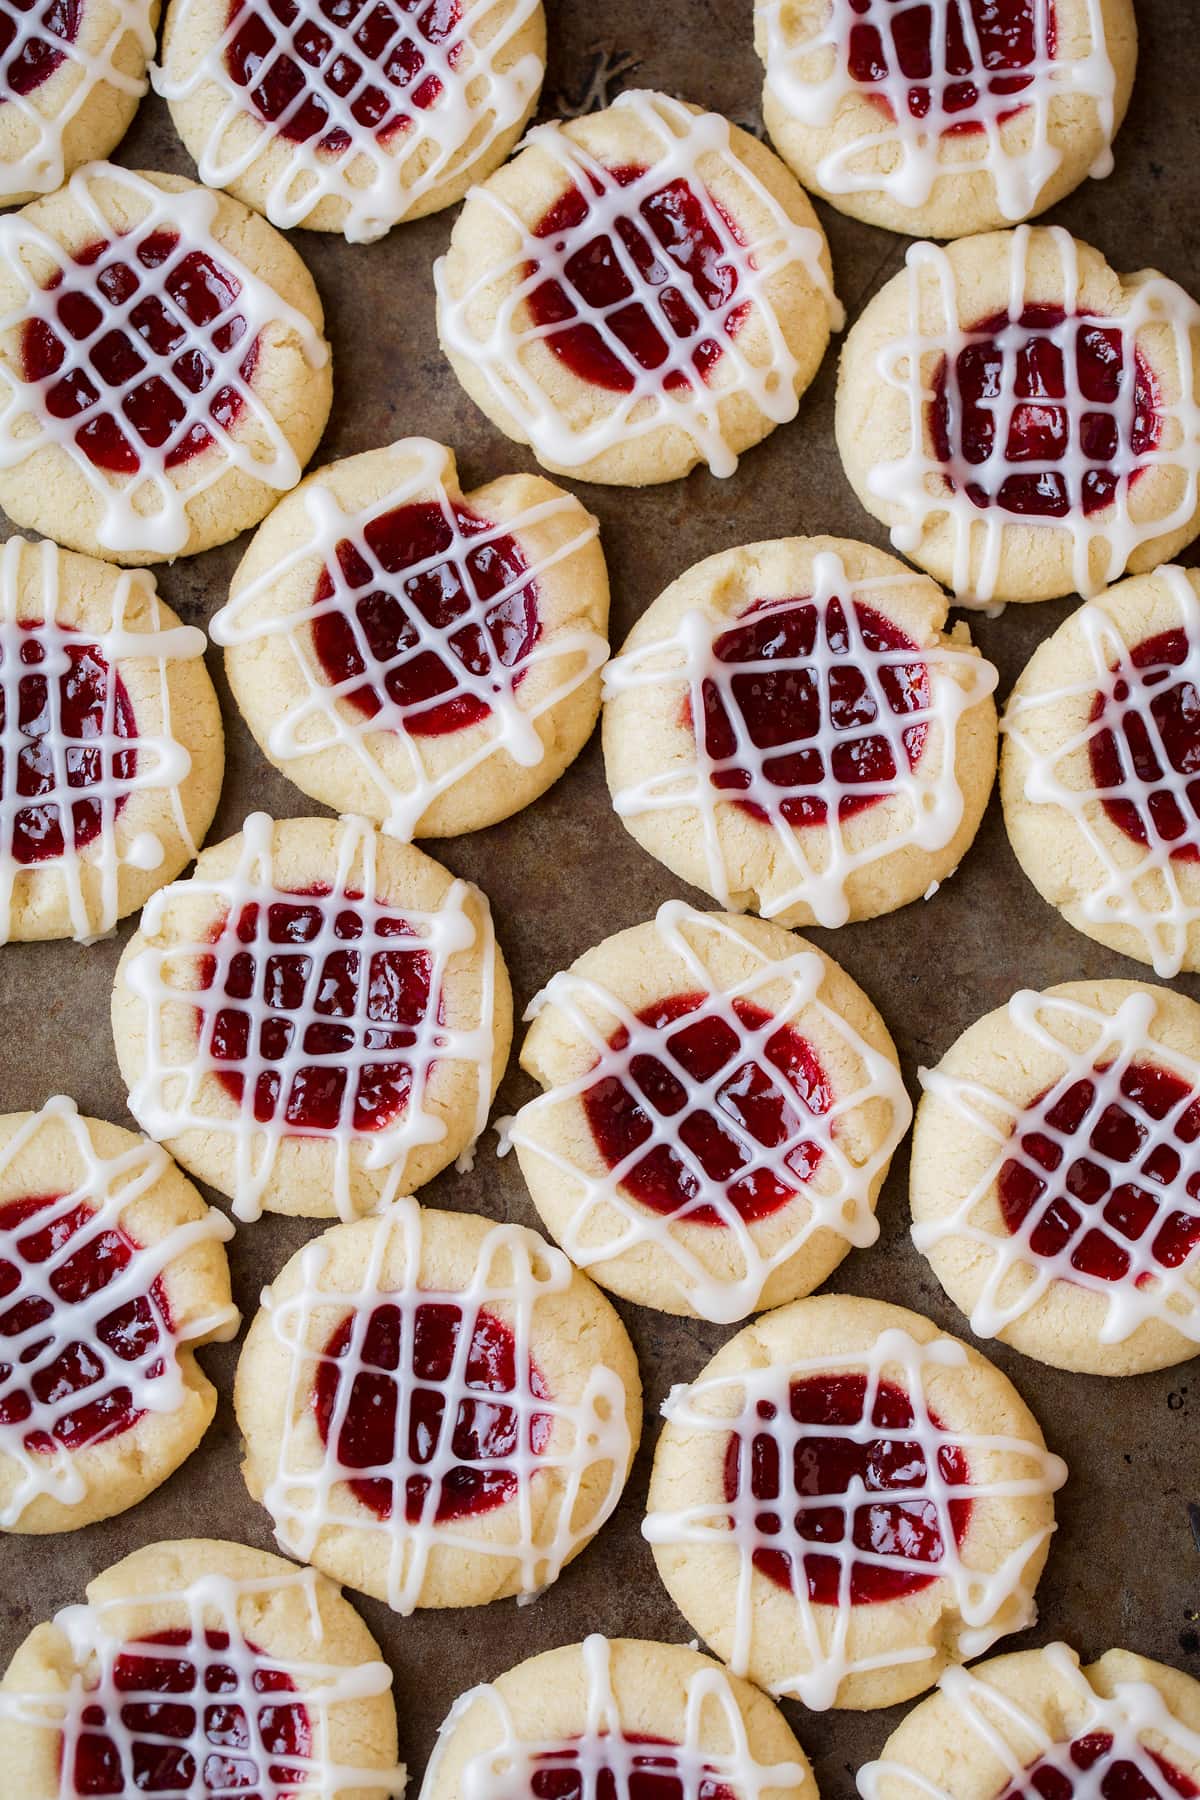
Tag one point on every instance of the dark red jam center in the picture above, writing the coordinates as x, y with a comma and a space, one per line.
88, 1401
1081, 1204
749, 1107
464, 585
1027, 386
1144, 743
326, 1006
988, 48
194, 1727
1054, 1777
31, 40
147, 331
824, 1468
681, 271
628, 1765
401, 1421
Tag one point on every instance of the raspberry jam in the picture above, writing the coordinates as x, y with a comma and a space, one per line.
755, 1101
1083, 1208
989, 51
823, 1468
78, 1395
1058, 456
173, 1741
681, 271
466, 594
29, 57
402, 1420
67, 721
1160, 734
1055, 1776
145, 327
627, 1765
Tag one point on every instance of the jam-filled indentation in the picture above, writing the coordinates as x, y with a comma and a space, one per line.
1145, 736
34, 42
625, 1765
987, 58
1089, 1765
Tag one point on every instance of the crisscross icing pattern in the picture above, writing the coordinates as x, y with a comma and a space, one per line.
407, 767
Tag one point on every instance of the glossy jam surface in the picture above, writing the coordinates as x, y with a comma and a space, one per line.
1150, 741
1089, 1765
989, 46
826, 1468
459, 578
30, 36
397, 1419
629, 1765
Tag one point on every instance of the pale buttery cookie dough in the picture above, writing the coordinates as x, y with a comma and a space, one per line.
437, 1409
163, 374
112, 1274
790, 728
201, 1667
426, 657
845, 1501
638, 291
1100, 776
721, 1104
352, 117
1055, 1176
1024, 419
316, 1021
950, 117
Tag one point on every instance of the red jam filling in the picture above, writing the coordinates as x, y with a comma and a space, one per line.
87, 1400
1054, 1777
627, 1765
467, 592
1134, 747
1084, 1207
403, 1418
29, 57
327, 1008
986, 54
190, 1725
1029, 387
750, 1107
152, 304
683, 272
825, 1467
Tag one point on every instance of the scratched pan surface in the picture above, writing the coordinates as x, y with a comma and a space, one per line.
1124, 1567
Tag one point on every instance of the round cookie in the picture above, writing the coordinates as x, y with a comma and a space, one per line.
720, 1106
119, 753
940, 120
152, 273
299, 1675
767, 736
933, 1556
426, 657
959, 429
558, 317
437, 1409
1100, 777
350, 119
344, 1067
1054, 1178
112, 1274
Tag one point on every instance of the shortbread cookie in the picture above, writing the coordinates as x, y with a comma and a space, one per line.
112, 1274
640, 290
790, 728
721, 1105
163, 377
1023, 419
316, 1021
437, 1409
303, 1694
945, 118
425, 657
935, 1554
1055, 1176
1101, 772
350, 118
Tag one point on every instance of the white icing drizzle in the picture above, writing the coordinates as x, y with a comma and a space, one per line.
325, 718
990, 1602
917, 483
1018, 1276
904, 156
147, 511
173, 1095
514, 1270
107, 1186
684, 139
838, 1198
821, 857
379, 175
1140, 885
